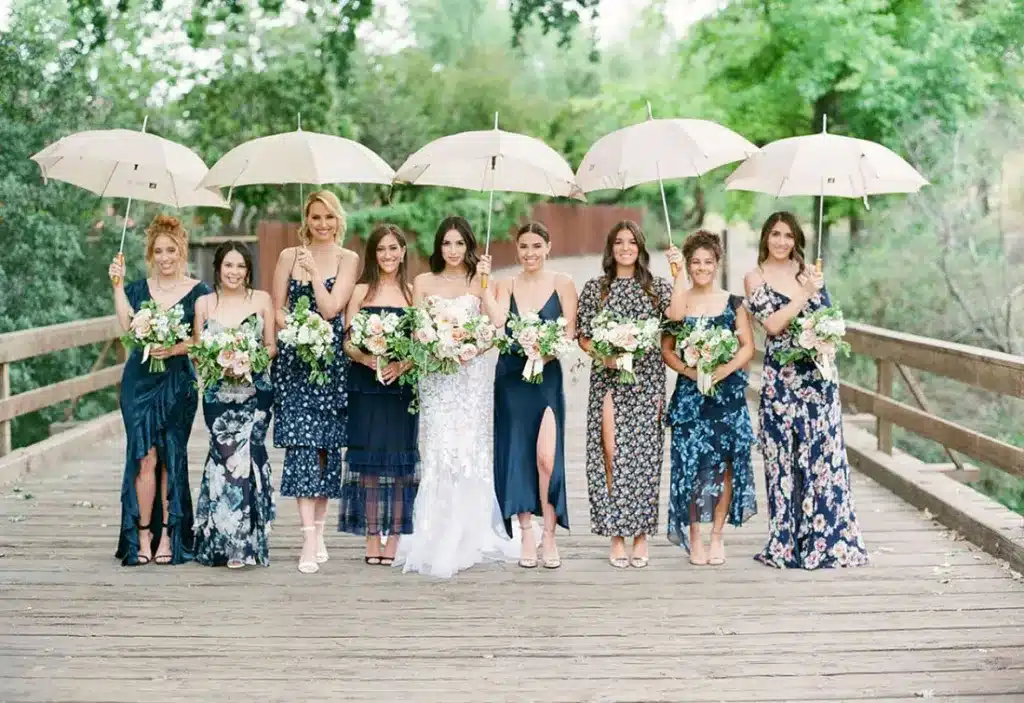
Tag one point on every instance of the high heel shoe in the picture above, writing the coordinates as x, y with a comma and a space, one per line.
321, 547
550, 562
713, 556
527, 562
308, 567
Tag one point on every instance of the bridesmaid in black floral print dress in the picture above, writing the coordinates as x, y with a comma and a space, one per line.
309, 419
625, 436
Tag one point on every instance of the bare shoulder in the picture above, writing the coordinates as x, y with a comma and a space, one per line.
261, 297
286, 254
203, 302
564, 282
423, 280
360, 291
752, 279
347, 255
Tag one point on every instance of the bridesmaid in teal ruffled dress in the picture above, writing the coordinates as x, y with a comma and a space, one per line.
712, 476
157, 408
236, 503
529, 419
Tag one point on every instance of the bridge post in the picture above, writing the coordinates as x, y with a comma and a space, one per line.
886, 369
5, 426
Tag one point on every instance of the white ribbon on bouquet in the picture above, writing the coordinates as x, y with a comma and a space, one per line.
826, 364
534, 367
705, 381
379, 364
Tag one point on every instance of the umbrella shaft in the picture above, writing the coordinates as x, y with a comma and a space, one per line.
124, 225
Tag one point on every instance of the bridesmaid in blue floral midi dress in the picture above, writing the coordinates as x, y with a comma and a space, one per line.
158, 409
812, 523
310, 418
712, 477
236, 504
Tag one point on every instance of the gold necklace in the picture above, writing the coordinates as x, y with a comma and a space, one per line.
174, 286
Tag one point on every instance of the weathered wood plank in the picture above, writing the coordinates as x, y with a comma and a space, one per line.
993, 371
30, 401
949, 434
25, 344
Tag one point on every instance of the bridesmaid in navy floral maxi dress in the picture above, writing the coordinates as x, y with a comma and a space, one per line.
812, 523
158, 409
712, 477
310, 418
236, 504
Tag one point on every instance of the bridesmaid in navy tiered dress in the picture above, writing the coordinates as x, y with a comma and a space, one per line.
529, 419
380, 483
310, 418
157, 408
812, 523
236, 503
712, 476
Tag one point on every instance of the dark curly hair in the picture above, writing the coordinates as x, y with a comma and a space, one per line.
702, 239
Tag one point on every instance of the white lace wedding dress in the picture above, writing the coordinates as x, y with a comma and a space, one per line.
456, 519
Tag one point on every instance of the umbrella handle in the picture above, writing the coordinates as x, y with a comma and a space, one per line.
116, 280
817, 266
675, 269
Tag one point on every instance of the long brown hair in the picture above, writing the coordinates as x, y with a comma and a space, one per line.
371, 269
642, 270
465, 230
799, 240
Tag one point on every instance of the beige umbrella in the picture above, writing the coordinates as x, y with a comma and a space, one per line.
825, 164
298, 157
123, 163
490, 160
660, 149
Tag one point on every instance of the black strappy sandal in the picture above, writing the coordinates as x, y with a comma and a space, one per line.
372, 561
140, 557
386, 561
163, 559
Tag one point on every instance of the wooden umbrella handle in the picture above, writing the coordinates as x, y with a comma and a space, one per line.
116, 280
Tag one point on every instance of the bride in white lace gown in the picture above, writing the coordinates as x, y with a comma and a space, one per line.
456, 519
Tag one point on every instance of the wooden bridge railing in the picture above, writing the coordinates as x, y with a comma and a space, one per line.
26, 344
899, 353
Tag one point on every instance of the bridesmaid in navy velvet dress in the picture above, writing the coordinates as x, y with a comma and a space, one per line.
310, 418
157, 408
529, 419
712, 476
236, 504
812, 523
380, 483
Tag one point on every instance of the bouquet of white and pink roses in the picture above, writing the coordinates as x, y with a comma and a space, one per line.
381, 335
817, 337
445, 335
153, 328
312, 337
535, 339
627, 340
705, 348
230, 355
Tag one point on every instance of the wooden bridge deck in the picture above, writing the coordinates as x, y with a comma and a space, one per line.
932, 617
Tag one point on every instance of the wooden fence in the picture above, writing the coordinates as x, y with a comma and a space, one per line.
26, 344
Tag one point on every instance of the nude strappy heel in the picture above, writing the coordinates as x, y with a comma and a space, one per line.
321, 547
308, 567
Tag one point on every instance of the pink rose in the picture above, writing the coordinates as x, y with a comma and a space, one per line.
690, 356
377, 345
533, 351
807, 339
467, 352
825, 348
459, 334
425, 335
375, 326
226, 358
485, 335
528, 337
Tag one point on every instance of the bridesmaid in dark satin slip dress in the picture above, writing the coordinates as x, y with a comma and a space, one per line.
529, 419
157, 408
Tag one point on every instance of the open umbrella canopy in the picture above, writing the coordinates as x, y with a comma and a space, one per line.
124, 163
659, 149
298, 157
491, 160
825, 164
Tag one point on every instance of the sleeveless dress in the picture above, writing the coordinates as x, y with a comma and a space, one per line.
310, 418
236, 498
519, 409
709, 435
158, 410
380, 483
811, 523
456, 519
627, 505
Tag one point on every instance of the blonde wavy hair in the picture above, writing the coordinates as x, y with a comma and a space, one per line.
170, 227
330, 201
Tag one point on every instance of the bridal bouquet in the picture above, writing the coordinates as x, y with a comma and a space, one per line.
817, 337
229, 355
152, 328
445, 336
625, 339
312, 337
705, 348
380, 335
535, 339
